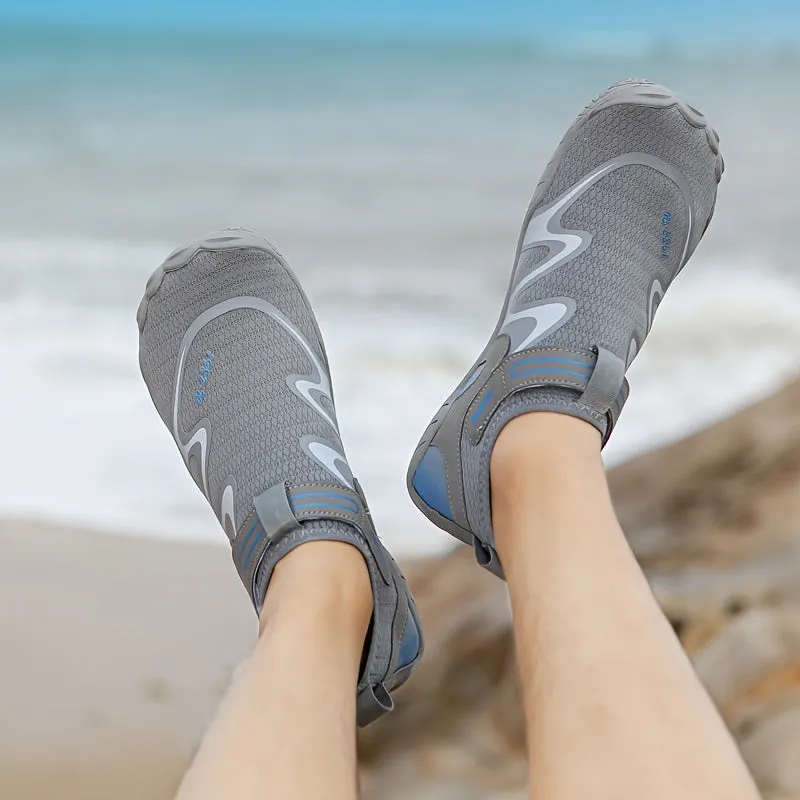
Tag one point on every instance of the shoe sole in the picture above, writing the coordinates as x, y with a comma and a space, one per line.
631, 92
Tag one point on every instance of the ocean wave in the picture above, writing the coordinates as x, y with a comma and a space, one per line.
75, 271
724, 336
87, 447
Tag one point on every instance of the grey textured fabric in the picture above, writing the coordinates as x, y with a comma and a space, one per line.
621, 207
235, 364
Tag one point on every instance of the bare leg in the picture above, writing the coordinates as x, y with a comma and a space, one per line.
287, 727
613, 706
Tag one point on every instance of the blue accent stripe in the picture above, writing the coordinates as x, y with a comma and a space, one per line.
481, 408
430, 482
518, 373
352, 507
319, 494
553, 360
324, 499
470, 381
250, 533
249, 554
410, 645
332, 495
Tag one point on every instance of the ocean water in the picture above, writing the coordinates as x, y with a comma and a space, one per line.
394, 177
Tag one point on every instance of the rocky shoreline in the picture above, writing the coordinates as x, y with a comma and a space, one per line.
715, 521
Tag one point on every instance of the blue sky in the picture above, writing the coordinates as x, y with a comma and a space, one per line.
694, 19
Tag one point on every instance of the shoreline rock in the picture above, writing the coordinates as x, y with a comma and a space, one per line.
715, 522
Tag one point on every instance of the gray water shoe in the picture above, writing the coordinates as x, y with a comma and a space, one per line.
235, 364
620, 209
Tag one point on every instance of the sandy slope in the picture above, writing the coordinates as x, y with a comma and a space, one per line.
113, 654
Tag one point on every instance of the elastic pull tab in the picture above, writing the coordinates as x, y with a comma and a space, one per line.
275, 513
372, 703
487, 558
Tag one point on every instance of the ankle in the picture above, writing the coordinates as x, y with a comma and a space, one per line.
544, 466
541, 444
322, 583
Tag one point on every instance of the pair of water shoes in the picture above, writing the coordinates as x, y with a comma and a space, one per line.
235, 362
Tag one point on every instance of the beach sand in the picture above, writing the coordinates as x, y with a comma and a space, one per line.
114, 654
